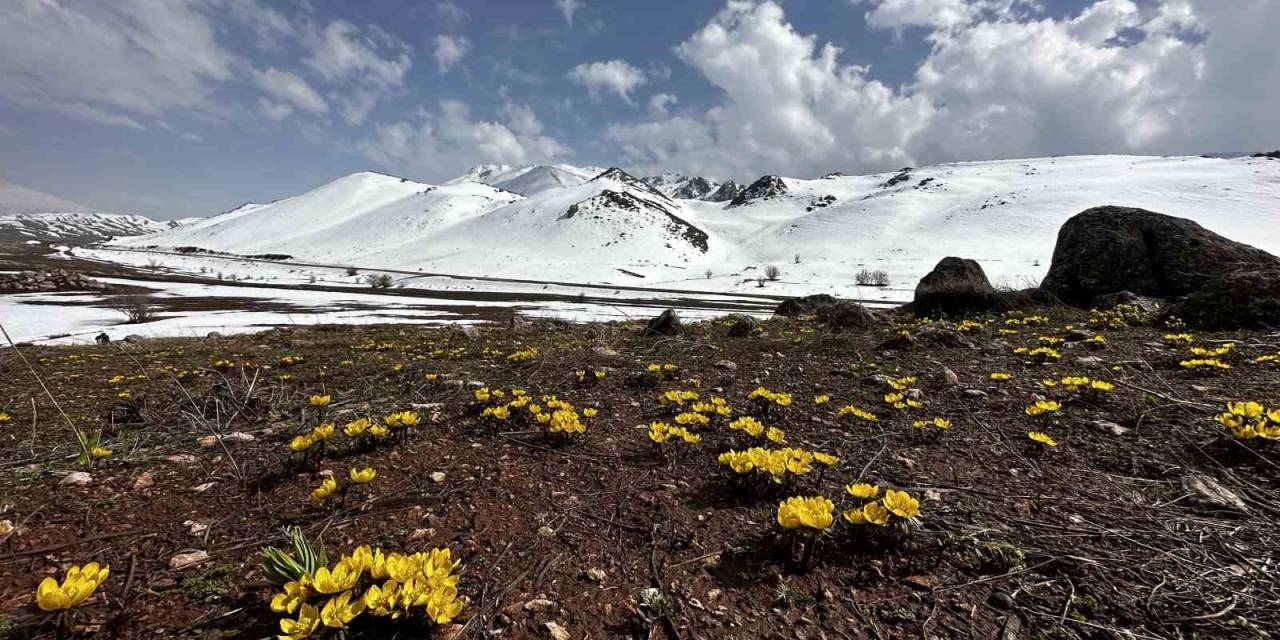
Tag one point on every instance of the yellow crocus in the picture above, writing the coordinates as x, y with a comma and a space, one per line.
75, 588
362, 476
306, 624
341, 610
901, 504
342, 577
319, 401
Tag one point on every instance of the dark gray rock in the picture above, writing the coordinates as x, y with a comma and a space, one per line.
1109, 249
804, 306
1245, 299
955, 285
665, 324
765, 187
742, 325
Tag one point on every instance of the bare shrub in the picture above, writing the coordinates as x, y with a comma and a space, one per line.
772, 272
136, 309
379, 280
708, 274
352, 271
866, 278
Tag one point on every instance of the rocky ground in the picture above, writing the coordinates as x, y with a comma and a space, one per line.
1146, 520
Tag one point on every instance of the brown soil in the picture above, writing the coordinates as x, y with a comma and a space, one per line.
1095, 538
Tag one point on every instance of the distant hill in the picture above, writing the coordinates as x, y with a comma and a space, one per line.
27, 214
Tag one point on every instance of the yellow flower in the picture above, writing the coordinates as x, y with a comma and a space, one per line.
321, 493
901, 504
775, 435
1000, 376
590, 412
4, 417
826, 459
342, 577
356, 428
99, 452
821, 399
319, 401
76, 587
340, 610
295, 594
362, 476
1102, 386
301, 443
870, 513
863, 490
379, 431
1042, 407
322, 432
482, 394
432, 377
814, 513
1042, 438
306, 624
1246, 409
850, 410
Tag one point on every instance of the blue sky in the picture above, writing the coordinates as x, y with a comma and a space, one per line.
189, 107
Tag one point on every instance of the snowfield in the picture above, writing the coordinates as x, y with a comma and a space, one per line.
614, 229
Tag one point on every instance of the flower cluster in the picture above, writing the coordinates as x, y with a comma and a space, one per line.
811, 513
584, 376
969, 326
1042, 438
369, 582
775, 463
318, 435
523, 355
1251, 420
1178, 338
850, 410
75, 588
1000, 376
661, 432
677, 398
1224, 350
1039, 354
1204, 364
767, 397
1042, 407
1080, 385
937, 423
717, 406
900, 401
894, 504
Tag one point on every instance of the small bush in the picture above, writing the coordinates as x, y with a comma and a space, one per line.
379, 280
708, 274
867, 278
352, 271
136, 309
772, 272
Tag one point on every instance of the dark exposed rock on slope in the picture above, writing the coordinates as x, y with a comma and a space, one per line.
1108, 249
765, 187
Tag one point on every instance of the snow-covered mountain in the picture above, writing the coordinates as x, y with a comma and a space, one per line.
27, 214
613, 227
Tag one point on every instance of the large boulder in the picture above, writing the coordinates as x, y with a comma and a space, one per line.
1245, 299
956, 285
1108, 249
807, 305
845, 315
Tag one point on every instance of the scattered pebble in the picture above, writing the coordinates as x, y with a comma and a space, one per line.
77, 478
187, 560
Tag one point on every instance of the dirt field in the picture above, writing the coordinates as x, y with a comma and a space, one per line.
607, 534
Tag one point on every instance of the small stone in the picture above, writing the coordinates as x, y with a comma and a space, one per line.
947, 378
557, 632
1089, 361
195, 528
438, 477
604, 352
145, 480
596, 574
1108, 427
713, 594
1212, 495
201, 488
546, 532
1000, 600
77, 478
540, 605
421, 534
181, 458
975, 393
187, 560
6, 528
727, 364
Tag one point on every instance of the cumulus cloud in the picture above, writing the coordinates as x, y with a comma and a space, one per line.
450, 13
659, 103
614, 76
1001, 79
449, 50
567, 8
366, 62
447, 141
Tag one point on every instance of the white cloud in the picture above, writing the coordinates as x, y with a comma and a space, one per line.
896, 14
192, 137
1001, 80
110, 62
450, 13
367, 63
274, 110
616, 76
290, 88
659, 103
567, 8
449, 50
448, 141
